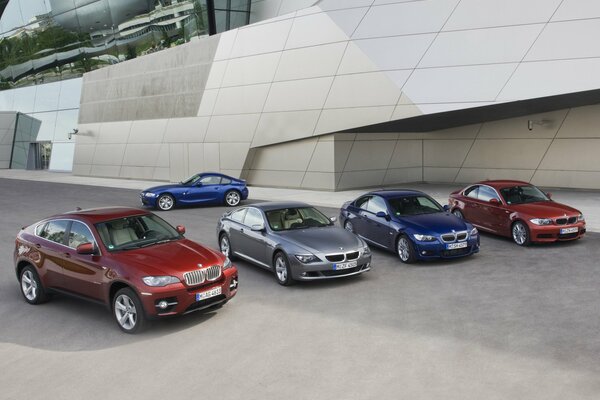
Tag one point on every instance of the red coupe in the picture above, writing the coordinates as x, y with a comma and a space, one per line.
517, 209
128, 259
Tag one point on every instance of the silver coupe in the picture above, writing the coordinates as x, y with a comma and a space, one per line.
294, 240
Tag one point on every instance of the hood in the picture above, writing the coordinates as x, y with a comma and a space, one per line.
171, 258
545, 209
434, 223
323, 240
162, 188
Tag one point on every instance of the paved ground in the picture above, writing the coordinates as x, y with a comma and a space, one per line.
508, 323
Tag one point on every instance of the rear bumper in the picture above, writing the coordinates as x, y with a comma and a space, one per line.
552, 233
182, 300
434, 250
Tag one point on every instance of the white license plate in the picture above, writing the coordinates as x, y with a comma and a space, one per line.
346, 265
452, 246
564, 231
208, 294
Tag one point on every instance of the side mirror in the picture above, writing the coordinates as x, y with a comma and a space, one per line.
333, 219
258, 227
198, 184
86, 248
180, 229
383, 214
495, 202
446, 208
549, 195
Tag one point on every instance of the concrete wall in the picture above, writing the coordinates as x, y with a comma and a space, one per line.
7, 134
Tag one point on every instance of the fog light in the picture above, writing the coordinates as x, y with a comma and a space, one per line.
303, 274
162, 304
234, 283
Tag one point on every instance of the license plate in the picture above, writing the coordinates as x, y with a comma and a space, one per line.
453, 246
564, 231
208, 294
346, 265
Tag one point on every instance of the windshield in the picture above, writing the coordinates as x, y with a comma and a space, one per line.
191, 180
414, 205
523, 194
296, 218
135, 232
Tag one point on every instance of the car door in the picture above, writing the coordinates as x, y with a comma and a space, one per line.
378, 228
49, 242
83, 273
492, 213
204, 190
471, 204
359, 212
253, 242
236, 224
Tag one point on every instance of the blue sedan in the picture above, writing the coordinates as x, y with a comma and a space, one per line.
204, 188
410, 223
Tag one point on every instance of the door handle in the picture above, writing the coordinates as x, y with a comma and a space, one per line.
242, 230
37, 245
68, 255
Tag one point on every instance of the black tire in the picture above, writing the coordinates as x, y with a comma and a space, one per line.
520, 233
229, 253
405, 250
124, 303
283, 276
349, 226
165, 202
457, 213
31, 287
232, 198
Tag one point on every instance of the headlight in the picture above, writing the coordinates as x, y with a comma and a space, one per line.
580, 218
424, 238
473, 232
541, 221
307, 258
150, 194
366, 251
227, 264
160, 280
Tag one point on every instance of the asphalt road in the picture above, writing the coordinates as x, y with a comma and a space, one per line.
507, 323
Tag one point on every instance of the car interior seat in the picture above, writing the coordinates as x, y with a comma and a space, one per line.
120, 232
291, 217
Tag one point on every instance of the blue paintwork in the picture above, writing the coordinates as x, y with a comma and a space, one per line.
385, 231
192, 194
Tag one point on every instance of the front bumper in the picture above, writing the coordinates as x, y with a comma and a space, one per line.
182, 299
437, 249
148, 201
552, 233
325, 269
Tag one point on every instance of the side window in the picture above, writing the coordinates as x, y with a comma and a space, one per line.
486, 194
39, 229
225, 181
377, 204
472, 192
55, 231
253, 217
79, 234
363, 202
210, 180
238, 216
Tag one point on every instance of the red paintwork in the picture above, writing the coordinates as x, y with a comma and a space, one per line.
498, 218
92, 276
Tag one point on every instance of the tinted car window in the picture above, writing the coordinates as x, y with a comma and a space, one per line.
363, 202
414, 205
472, 192
55, 231
296, 218
79, 234
377, 204
253, 217
523, 194
225, 181
210, 180
135, 232
487, 193
238, 216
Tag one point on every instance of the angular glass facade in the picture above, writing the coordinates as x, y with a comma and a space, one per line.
43, 41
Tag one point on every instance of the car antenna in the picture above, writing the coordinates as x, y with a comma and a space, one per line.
77, 208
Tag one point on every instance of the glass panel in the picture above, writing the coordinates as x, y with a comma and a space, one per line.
79, 234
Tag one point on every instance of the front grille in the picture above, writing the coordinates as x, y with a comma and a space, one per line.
453, 237
202, 275
335, 257
565, 220
352, 256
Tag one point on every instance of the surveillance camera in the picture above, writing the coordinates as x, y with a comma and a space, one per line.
530, 125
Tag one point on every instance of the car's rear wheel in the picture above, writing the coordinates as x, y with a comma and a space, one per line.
31, 286
520, 234
225, 246
165, 202
128, 311
458, 213
405, 250
232, 198
282, 270
348, 226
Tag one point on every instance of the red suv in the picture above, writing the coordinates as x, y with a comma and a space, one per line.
128, 259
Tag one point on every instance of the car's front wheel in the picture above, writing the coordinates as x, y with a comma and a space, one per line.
520, 234
128, 311
31, 286
458, 213
405, 250
225, 246
232, 198
282, 270
165, 202
348, 226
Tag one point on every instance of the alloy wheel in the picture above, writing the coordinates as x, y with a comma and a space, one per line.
349, 227
519, 233
224, 245
458, 214
29, 286
232, 198
125, 312
165, 202
281, 269
403, 249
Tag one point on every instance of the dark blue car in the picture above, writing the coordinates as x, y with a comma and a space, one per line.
204, 188
410, 223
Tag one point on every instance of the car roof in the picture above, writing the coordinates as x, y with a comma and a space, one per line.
391, 193
95, 215
278, 205
218, 174
502, 183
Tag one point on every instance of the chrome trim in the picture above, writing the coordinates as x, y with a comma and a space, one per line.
455, 236
200, 276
